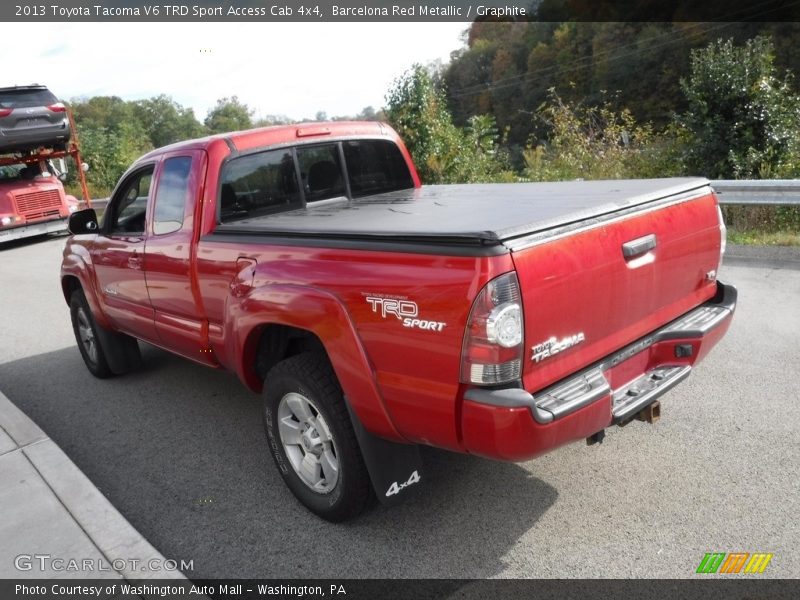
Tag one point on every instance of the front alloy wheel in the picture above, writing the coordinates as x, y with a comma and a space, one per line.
86, 335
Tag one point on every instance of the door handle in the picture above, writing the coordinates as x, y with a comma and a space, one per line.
135, 261
243, 279
639, 246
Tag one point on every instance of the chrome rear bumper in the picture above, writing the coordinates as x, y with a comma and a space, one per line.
591, 384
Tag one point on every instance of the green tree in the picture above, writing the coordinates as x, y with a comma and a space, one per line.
442, 152
103, 111
229, 114
419, 114
165, 121
112, 136
109, 152
742, 116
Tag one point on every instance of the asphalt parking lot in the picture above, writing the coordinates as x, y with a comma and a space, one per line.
180, 451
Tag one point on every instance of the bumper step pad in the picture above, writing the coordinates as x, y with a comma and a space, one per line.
631, 398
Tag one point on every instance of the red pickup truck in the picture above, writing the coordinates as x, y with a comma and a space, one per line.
375, 314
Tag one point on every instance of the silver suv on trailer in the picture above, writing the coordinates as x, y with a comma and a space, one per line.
30, 117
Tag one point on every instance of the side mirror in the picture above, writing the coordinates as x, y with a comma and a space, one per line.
83, 221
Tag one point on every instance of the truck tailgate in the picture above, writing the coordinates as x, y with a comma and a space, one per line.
592, 288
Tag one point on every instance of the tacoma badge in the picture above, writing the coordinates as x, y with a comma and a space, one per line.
552, 346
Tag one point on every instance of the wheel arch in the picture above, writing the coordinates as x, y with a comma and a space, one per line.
76, 274
277, 321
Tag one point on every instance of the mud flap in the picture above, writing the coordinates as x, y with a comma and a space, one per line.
395, 469
121, 351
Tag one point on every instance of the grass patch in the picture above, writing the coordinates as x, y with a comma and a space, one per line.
764, 238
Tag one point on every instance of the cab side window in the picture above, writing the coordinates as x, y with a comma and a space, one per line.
170, 200
258, 184
129, 210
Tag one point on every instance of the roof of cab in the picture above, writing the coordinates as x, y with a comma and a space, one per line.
281, 134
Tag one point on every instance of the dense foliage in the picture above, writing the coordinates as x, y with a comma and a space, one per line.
597, 142
507, 69
743, 118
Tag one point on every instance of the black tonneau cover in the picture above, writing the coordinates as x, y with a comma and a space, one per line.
484, 214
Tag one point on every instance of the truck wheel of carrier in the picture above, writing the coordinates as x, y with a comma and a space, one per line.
106, 353
311, 437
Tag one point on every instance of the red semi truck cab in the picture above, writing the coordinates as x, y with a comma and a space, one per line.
375, 314
32, 201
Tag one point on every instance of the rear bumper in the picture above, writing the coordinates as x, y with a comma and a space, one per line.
41, 228
512, 424
20, 139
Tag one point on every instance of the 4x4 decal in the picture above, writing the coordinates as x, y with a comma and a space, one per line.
396, 488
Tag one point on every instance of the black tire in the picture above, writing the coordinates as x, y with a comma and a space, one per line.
310, 376
105, 353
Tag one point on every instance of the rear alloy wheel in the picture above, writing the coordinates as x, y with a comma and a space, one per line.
311, 437
307, 443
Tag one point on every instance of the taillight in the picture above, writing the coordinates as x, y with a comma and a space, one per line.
57, 107
723, 234
492, 352
4, 112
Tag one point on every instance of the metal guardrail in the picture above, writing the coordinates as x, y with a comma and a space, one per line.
758, 192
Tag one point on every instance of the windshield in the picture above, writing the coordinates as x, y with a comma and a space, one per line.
11, 172
21, 171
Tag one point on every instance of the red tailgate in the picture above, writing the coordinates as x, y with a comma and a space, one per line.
583, 298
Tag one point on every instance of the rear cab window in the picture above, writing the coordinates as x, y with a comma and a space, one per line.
321, 170
375, 167
273, 181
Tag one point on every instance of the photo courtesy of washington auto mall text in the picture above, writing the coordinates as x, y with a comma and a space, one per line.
403, 299
145, 589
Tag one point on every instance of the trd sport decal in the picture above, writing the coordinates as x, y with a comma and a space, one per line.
406, 311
